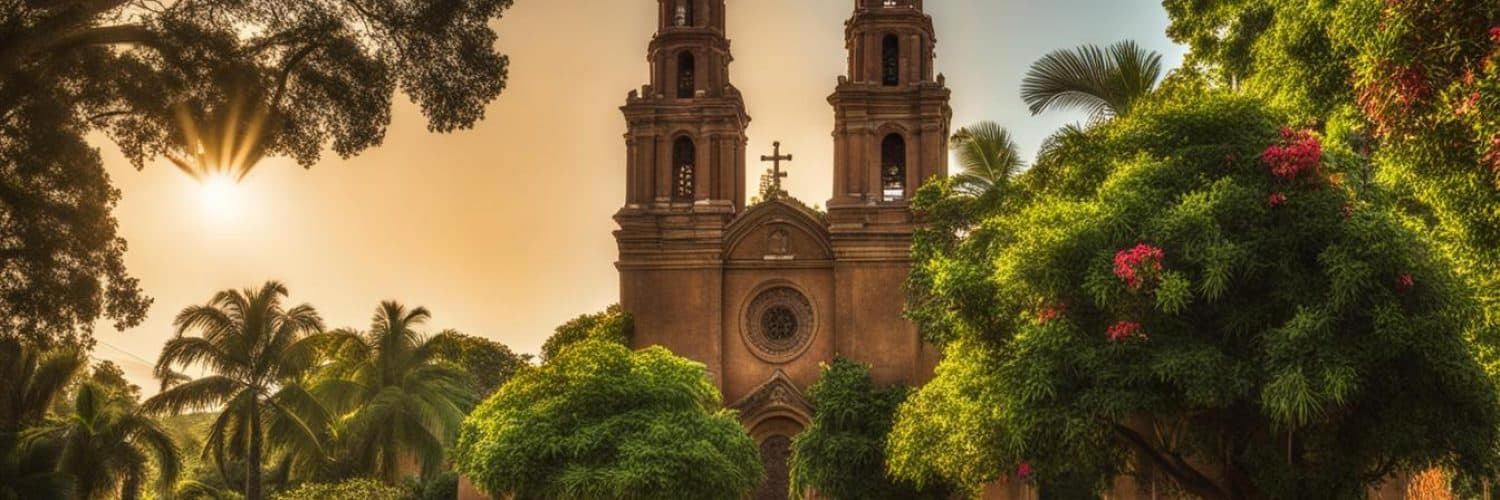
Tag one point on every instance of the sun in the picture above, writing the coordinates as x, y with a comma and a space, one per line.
220, 197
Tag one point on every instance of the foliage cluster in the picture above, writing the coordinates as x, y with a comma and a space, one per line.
319, 406
1414, 85
352, 489
191, 82
842, 454
1301, 348
597, 421
68, 433
610, 325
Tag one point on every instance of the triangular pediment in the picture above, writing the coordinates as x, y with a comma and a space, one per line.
777, 395
779, 226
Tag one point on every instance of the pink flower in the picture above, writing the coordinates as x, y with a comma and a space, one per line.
1276, 199
1024, 471
1404, 283
1139, 264
1125, 330
1051, 313
1298, 151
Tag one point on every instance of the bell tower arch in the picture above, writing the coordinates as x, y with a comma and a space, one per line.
890, 102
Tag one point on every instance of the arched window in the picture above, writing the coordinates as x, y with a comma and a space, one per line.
683, 15
893, 168
890, 61
684, 169
686, 69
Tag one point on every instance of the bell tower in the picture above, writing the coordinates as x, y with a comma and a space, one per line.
891, 119
891, 114
685, 181
686, 129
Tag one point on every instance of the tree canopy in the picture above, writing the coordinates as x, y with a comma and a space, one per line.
212, 86
490, 363
612, 325
1413, 85
602, 422
1214, 295
842, 454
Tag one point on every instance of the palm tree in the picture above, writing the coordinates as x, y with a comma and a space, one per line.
32, 379
108, 447
251, 345
404, 402
1103, 82
989, 156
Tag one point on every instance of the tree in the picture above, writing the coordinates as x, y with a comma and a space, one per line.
191, 82
34, 378
109, 448
1414, 86
1102, 82
1227, 308
252, 345
398, 401
613, 325
988, 155
842, 454
601, 422
63, 257
489, 363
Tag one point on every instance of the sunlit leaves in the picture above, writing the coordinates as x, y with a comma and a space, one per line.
1239, 326
600, 422
842, 454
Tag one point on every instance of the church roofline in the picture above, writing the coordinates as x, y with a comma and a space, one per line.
803, 217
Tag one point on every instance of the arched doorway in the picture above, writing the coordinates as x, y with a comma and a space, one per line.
774, 412
775, 452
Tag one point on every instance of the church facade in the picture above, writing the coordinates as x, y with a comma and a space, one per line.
764, 294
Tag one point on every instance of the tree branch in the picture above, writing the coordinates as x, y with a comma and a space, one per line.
110, 114
1187, 477
12, 60
286, 73
105, 35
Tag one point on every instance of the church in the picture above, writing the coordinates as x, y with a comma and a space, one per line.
763, 294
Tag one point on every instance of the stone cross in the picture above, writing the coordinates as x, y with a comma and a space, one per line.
776, 174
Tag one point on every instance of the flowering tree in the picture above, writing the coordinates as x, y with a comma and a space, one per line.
1211, 302
1413, 85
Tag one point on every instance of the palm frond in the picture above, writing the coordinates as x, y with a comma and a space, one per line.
150, 436
988, 155
1100, 82
188, 351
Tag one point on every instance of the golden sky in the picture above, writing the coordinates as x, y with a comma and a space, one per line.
504, 231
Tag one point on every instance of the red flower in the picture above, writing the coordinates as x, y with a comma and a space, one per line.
1138, 264
1051, 313
1024, 471
1125, 330
1404, 283
1495, 35
1276, 199
1298, 151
